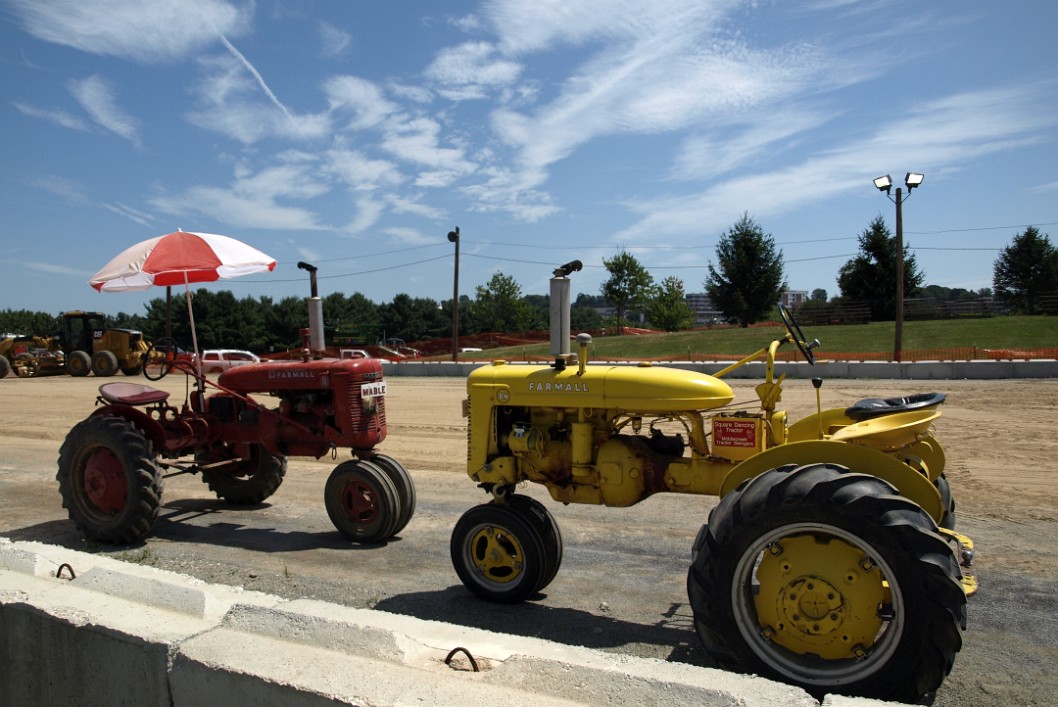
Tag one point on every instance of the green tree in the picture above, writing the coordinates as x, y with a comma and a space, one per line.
413, 318
1025, 270
283, 322
629, 285
27, 323
584, 318
749, 279
818, 295
871, 276
539, 312
499, 306
668, 309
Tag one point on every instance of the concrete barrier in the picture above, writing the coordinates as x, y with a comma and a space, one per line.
89, 630
873, 370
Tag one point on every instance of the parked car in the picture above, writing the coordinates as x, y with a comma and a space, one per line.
218, 360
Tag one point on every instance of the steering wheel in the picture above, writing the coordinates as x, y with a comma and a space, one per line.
798, 336
166, 346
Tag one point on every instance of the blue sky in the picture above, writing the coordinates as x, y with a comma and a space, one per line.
356, 135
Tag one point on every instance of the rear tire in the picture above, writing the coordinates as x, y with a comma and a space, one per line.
947, 521
828, 580
246, 481
110, 480
104, 364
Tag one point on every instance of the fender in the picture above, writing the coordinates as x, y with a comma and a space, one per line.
909, 482
181, 433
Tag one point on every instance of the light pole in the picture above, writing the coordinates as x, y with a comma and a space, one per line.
884, 183
453, 236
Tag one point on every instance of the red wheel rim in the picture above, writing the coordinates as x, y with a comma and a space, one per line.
105, 484
359, 502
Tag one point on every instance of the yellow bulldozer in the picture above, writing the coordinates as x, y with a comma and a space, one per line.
84, 345
90, 345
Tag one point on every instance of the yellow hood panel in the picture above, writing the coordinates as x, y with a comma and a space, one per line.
636, 388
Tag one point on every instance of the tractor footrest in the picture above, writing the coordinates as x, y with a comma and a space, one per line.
131, 394
964, 547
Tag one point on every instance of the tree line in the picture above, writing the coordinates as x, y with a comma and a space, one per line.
744, 283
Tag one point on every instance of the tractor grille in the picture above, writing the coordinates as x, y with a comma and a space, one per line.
359, 422
470, 427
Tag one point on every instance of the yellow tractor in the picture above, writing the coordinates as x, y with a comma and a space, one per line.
91, 346
831, 561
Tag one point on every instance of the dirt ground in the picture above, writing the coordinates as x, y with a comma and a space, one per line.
999, 437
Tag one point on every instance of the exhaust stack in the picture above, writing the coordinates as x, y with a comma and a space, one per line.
559, 311
315, 305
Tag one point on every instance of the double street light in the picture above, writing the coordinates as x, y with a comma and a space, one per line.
884, 183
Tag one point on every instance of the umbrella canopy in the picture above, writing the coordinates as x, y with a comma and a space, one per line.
181, 257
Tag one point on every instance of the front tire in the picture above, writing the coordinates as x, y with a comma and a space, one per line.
499, 553
79, 364
828, 580
362, 502
110, 480
402, 481
538, 514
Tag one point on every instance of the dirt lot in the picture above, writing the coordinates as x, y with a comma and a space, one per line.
621, 586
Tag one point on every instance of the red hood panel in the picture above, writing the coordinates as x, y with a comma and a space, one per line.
298, 375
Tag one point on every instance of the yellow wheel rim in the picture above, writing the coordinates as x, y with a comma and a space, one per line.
819, 597
816, 602
497, 554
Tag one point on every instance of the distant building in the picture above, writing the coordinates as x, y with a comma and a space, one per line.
705, 312
794, 298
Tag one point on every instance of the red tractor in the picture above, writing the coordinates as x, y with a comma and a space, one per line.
112, 465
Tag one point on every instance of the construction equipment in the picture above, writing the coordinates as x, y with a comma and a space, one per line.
91, 346
112, 465
30, 356
830, 561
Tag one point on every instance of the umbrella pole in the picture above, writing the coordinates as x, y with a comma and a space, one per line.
194, 339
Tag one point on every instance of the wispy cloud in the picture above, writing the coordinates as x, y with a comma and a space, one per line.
62, 187
418, 140
1044, 188
470, 70
59, 117
53, 269
230, 103
98, 99
362, 99
333, 41
145, 32
260, 81
646, 70
134, 215
254, 199
934, 135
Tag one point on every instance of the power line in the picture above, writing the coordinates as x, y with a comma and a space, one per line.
982, 228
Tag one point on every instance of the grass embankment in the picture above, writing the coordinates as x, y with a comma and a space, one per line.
1018, 332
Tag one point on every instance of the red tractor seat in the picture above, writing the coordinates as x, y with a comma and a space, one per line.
131, 394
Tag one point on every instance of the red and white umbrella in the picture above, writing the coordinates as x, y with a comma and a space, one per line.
181, 257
